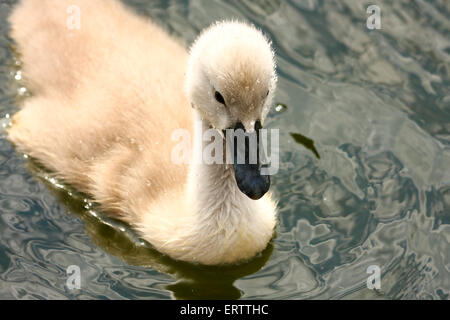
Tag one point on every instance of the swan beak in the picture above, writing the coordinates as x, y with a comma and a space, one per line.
247, 161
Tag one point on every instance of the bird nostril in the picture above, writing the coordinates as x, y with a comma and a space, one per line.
239, 125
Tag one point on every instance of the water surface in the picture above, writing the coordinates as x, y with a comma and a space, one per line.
376, 105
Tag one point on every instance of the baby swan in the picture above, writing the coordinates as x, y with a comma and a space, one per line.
107, 97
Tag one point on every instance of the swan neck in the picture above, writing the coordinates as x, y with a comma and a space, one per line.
210, 184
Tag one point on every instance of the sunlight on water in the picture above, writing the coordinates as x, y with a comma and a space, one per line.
364, 174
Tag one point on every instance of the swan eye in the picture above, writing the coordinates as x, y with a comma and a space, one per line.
219, 97
267, 93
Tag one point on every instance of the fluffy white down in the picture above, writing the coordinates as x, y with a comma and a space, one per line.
106, 98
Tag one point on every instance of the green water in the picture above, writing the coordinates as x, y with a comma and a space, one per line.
373, 104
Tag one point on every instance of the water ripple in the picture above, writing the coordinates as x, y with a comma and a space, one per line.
375, 105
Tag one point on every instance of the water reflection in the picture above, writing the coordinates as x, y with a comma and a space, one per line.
193, 281
375, 103
306, 142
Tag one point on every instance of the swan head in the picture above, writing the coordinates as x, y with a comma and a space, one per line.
231, 75
230, 81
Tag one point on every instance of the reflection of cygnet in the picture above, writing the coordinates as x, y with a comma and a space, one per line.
108, 95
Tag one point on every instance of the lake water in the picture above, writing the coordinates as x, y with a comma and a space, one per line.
376, 103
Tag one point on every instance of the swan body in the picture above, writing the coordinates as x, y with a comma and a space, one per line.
105, 99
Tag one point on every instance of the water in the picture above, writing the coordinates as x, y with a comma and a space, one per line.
376, 105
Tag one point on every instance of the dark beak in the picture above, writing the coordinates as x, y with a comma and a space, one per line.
248, 159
